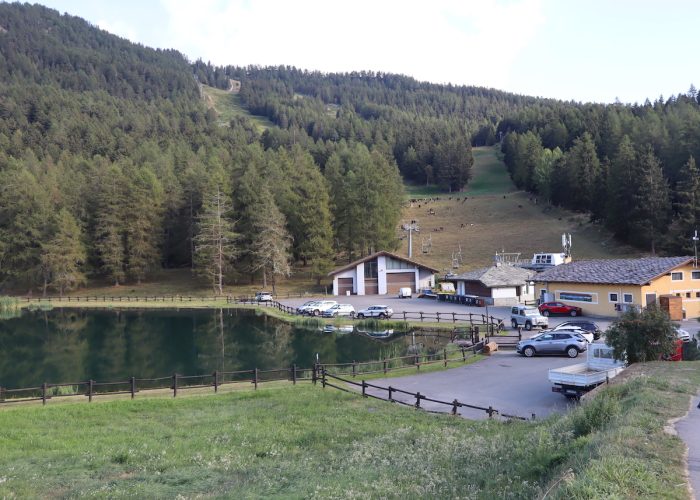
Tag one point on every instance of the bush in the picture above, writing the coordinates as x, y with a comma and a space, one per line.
640, 336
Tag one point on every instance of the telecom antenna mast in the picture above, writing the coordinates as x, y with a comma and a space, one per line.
566, 244
695, 247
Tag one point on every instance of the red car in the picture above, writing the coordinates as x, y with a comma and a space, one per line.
548, 308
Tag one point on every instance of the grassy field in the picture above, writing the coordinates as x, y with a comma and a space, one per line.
228, 105
306, 442
495, 218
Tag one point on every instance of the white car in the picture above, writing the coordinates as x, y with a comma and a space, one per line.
263, 297
682, 334
320, 307
527, 316
379, 311
304, 308
575, 330
339, 310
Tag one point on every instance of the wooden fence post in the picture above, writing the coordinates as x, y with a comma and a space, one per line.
421, 317
255, 378
91, 387
364, 389
490, 412
43, 394
437, 315
404, 315
215, 375
418, 400
133, 387
2, 395
444, 355
354, 368
385, 367
294, 374
323, 378
175, 384
455, 403
391, 389
464, 355
313, 373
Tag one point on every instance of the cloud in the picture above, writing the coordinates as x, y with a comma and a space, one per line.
472, 42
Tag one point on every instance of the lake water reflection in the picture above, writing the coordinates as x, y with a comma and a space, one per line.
74, 345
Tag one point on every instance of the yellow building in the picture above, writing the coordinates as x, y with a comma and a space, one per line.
606, 287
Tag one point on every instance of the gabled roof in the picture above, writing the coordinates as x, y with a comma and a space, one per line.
497, 276
374, 256
613, 271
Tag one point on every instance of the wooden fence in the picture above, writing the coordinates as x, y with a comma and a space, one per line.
328, 379
491, 323
174, 382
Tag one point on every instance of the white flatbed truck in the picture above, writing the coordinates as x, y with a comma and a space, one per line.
575, 380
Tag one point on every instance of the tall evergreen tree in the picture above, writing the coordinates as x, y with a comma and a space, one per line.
652, 212
63, 254
110, 224
686, 209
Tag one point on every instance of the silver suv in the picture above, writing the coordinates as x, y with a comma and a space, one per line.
528, 317
553, 342
381, 312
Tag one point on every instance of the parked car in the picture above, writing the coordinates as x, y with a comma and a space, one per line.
683, 335
405, 292
527, 316
320, 307
339, 310
583, 324
303, 309
263, 297
379, 311
560, 343
548, 308
576, 330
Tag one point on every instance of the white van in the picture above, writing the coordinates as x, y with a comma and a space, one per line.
405, 293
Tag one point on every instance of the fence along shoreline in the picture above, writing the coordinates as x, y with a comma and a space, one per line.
178, 382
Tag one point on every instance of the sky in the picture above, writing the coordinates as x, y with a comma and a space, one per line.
592, 50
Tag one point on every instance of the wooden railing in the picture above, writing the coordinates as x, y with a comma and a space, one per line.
328, 380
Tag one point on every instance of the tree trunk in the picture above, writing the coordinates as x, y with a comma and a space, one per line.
264, 279
46, 285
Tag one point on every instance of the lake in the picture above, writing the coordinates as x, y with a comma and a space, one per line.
71, 345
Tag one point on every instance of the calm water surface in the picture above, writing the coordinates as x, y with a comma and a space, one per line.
74, 345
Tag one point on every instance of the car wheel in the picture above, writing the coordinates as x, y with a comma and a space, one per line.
574, 313
361, 316
352, 315
317, 312
528, 325
514, 323
382, 316
572, 351
529, 352
545, 313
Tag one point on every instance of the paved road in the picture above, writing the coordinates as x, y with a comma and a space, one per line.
689, 430
506, 381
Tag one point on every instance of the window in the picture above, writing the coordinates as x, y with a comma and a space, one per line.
371, 269
613, 297
677, 276
697, 295
695, 275
576, 297
398, 264
687, 295
627, 298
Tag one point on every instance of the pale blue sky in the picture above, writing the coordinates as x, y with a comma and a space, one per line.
592, 50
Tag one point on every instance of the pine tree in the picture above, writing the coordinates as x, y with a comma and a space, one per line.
651, 200
686, 208
583, 171
110, 224
271, 242
63, 255
620, 189
215, 240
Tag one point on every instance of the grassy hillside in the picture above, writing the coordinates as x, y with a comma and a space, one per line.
496, 217
305, 442
228, 106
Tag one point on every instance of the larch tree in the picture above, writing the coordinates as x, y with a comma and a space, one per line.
271, 243
110, 223
63, 255
215, 241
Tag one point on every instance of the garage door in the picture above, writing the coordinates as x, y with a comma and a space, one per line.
344, 286
394, 281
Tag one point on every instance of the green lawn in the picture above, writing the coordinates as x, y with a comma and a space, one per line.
307, 442
489, 174
228, 106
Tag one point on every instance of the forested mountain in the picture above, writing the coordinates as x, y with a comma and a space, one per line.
112, 166
631, 166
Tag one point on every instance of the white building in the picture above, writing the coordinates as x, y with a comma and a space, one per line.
381, 273
507, 285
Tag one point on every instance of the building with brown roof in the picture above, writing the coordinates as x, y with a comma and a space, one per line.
606, 287
381, 273
505, 284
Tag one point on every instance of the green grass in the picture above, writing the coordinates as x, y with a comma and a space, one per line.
489, 174
306, 442
228, 106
